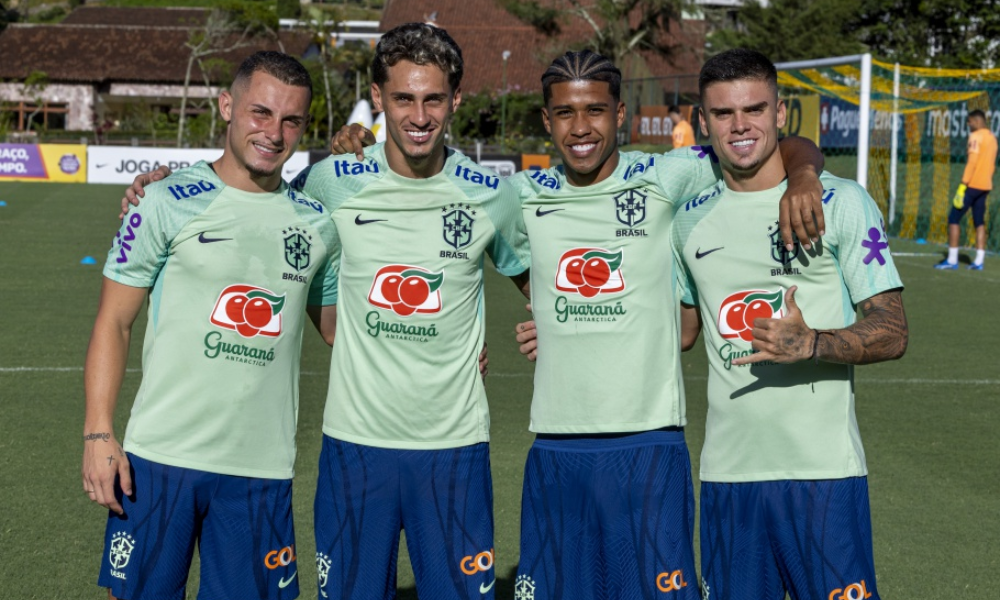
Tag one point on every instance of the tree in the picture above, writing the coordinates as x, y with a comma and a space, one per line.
34, 87
619, 27
788, 30
933, 33
231, 25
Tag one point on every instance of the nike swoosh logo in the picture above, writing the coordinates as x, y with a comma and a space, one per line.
99, 166
541, 213
359, 221
207, 240
483, 588
283, 583
699, 254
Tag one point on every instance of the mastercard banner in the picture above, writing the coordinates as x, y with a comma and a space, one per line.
43, 162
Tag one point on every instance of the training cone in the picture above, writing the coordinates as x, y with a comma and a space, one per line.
88, 260
921, 241
2, 203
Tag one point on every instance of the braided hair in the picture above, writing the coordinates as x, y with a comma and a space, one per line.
583, 65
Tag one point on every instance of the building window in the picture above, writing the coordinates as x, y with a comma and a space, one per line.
45, 117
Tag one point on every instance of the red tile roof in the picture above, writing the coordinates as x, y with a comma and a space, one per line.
484, 29
116, 45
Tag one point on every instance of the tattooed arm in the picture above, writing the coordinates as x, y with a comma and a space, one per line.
880, 335
103, 456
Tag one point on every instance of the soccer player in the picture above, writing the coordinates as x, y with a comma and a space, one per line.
607, 510
683, 133
228, 256
406, 423
784, 496
977, 181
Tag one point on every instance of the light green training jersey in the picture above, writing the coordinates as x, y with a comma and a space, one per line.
410, 321
230, 273
768, 421
603, 294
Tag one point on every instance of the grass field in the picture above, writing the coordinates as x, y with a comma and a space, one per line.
929, 421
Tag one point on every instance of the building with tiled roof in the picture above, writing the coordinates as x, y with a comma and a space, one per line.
98, 60
484, 30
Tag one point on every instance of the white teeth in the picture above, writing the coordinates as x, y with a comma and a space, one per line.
419, 135
743, 143
265, 149
583, 147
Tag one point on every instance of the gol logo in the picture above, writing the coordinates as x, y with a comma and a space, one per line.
279, 558
738, 311
479, 563
669, 581
249, 310
855, 591
590, 271
406, 290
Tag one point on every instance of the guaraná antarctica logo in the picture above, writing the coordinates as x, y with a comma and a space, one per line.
738, 311
406, 290
590, 271
248, 310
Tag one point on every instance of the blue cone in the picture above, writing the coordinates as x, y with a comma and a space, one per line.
2, 203
88, 260
921, 241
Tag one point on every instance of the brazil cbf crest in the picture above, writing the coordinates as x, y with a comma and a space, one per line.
297, 245
458, 220
779, 253
122, 545
630, 207
524, 588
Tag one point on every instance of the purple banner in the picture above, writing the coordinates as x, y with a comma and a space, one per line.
21, 160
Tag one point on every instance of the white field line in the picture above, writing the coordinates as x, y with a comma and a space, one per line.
863, 380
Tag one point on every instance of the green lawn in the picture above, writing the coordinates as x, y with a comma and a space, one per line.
927, 420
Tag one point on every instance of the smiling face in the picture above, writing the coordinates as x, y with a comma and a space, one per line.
741, 119
583, 118
418, 103
266, 121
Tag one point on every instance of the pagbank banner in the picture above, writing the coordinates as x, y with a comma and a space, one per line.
43, 162
120, 164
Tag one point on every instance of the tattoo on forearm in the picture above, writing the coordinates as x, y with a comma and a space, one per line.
111, 459
93, 437
880, 335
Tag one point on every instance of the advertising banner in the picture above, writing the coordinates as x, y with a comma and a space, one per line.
802, 117
120, 164
43, 162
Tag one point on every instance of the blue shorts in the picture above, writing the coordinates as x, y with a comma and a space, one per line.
442, 498
974, 199
608, 517
242, 526
812, 539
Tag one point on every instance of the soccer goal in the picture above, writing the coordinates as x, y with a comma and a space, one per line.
900, 131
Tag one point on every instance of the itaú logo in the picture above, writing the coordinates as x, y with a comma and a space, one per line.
279, 558
670, 581
855, 591
479, 563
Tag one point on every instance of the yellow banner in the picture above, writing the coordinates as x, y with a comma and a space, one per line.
43, 162
802, 117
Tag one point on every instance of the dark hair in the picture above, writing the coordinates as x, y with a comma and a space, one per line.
279, 65
582, 66
977, 113
421, 44
673, 108
736, 65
